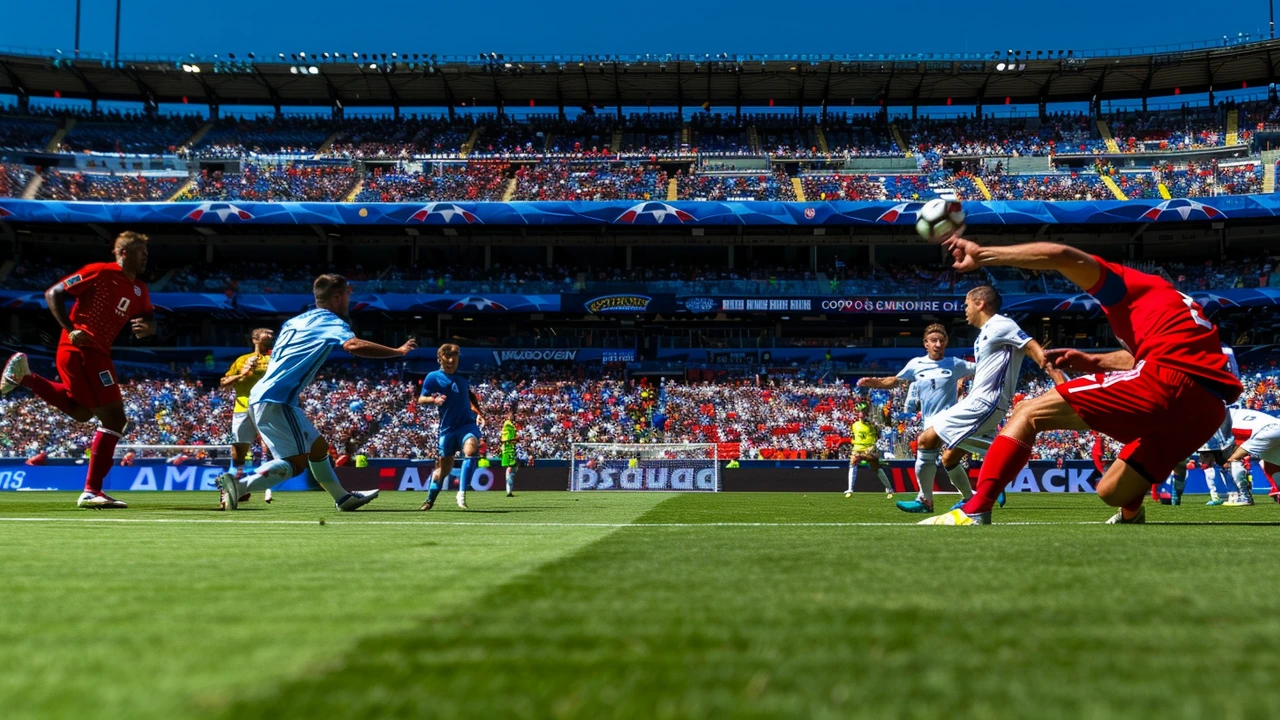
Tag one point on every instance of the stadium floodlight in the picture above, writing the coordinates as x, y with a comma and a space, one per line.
293, 70
1000, 67
314, 70
373, 66
325, 56
393, 55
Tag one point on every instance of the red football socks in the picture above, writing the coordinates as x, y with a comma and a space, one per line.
1004, 460
101, 455
56, 394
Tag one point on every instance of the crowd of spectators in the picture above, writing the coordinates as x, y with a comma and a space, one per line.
371, 410
276, 183
477, 181
775, 185
109, 186
13, 179
578, 181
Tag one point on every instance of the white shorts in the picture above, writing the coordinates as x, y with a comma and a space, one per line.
970, 425
1222, 439
244, 431
285, 429
1264, 444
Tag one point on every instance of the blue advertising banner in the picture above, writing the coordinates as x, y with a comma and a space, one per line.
630, 212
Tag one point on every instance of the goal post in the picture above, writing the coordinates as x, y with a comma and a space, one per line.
667, 467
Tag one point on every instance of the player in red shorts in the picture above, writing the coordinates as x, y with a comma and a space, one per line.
108, 297
1162, 396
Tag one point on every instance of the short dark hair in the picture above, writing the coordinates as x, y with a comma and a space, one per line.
449, 349
328, 285
989, 297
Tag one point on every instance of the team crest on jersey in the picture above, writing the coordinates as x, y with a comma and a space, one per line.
137, 291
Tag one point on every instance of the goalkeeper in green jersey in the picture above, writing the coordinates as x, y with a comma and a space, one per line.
509, 452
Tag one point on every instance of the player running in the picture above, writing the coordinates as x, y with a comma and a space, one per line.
934, 380
509, 460
304, 344
863, 437
458, 429
970, 425
108, 297
244, 373
1213, 455
1162, 396
1259, 437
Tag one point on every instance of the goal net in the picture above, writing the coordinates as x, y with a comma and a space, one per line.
174, 454
690, 467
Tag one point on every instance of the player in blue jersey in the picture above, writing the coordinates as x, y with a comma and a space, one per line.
301, 348
934, 380
459, 423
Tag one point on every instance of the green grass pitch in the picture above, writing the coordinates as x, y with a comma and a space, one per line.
558, 605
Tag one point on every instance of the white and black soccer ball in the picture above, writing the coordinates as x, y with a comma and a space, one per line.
940, 220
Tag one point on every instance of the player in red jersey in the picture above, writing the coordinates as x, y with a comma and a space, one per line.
108, 297
1162, 396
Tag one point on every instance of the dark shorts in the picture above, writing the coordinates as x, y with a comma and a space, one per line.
89, 376
1161, 415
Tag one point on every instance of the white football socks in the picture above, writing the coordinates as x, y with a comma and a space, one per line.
926, 470
1244, 481
959, 476
853, 473
328, 480
268, 475
884, 479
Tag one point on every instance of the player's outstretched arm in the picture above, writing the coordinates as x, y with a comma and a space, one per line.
1078, 361
1075, 265
1037, 355
880, 383
374, 351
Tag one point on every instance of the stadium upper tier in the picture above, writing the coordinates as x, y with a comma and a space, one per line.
655, 156
416, 79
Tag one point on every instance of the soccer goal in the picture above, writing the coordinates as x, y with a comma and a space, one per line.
681, 467
174, 454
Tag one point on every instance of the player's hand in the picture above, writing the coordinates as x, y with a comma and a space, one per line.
143, 328
80, 338
1071, 359
408, 347
864, 382
964, 254
249, 366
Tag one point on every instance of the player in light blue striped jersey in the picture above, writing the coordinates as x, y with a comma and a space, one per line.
935, 380
302, 346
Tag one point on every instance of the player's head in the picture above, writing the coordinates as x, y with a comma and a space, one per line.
130, 250
333, 293
935, 341
449, 355
263, 339
980, 304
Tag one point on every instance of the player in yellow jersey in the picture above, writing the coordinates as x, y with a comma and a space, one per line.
509, 460
243, 374
863, 437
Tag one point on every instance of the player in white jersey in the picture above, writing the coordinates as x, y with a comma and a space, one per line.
1213, 455
1259, 436
301, 348
972, 423
934, 380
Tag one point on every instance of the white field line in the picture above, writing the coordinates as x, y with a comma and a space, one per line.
481, 523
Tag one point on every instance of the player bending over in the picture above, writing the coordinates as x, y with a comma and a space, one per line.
509, 460
933, 379
1213, 455
108, 296
862, 452
1259, 436
304, 344
458, 429
1162, 396
243, 374
970, 425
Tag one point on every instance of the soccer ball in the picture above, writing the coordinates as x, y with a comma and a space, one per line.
940, 220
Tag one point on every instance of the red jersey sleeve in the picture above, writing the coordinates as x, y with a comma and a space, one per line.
81, 280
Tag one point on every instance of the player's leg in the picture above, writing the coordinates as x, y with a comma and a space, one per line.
288, 451
470, 456
322, 469
957, 473
1235, 472
1178, 483
17, 373
873, 460
1270, 470
511, 464
1011, 450
439, 478
1212, 478
112, 422
928, 448
853, 476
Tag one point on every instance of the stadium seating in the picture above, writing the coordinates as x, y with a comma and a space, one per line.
108, 186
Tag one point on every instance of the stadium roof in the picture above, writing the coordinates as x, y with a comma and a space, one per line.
724, 81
